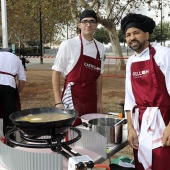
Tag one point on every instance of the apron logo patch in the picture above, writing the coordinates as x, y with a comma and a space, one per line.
91, 66
139, 74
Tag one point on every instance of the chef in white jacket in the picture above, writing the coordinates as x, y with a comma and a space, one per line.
12, 82
147, 95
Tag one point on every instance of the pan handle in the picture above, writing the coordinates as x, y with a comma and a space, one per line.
61, 103
87, 125
123, 120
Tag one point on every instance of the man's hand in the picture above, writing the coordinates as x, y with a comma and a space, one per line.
132, 135
133, 138
60, 106
166, 136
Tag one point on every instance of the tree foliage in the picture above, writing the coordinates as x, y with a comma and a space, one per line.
24, 19
109, 14
121, 36
161, 34
58, 15
102, 35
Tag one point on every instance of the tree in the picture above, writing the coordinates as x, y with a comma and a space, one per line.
156, 35
121, 36
102, 35
24, 19
109, 14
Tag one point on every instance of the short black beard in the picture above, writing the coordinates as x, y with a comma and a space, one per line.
139, 48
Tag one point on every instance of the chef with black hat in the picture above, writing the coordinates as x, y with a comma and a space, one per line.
147, 95
81, 61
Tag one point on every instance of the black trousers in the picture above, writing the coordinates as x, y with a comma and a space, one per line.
7, 105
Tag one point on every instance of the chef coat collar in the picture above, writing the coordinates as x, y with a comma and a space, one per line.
145, 52
86, 42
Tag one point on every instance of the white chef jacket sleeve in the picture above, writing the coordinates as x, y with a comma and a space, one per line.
162, 58
101, 49
61, 60
102, 55
165, 67
129, 97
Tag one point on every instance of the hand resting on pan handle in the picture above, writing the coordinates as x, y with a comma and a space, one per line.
61, 105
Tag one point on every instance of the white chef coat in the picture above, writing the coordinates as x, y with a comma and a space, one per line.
11, 63
69, 53
162, 58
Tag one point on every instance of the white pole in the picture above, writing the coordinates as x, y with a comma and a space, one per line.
4, 24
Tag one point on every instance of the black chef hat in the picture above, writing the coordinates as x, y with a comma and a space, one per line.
139, 21
88, 13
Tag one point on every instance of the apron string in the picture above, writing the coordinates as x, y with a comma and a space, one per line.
152, 53
1, 72
98, 53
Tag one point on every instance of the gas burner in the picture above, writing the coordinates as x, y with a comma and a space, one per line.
40, 142
55, 142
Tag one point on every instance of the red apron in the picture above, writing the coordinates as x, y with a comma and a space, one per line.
84, 91
149, 89
18, 104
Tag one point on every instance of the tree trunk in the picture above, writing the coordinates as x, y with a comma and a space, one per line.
117, 51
